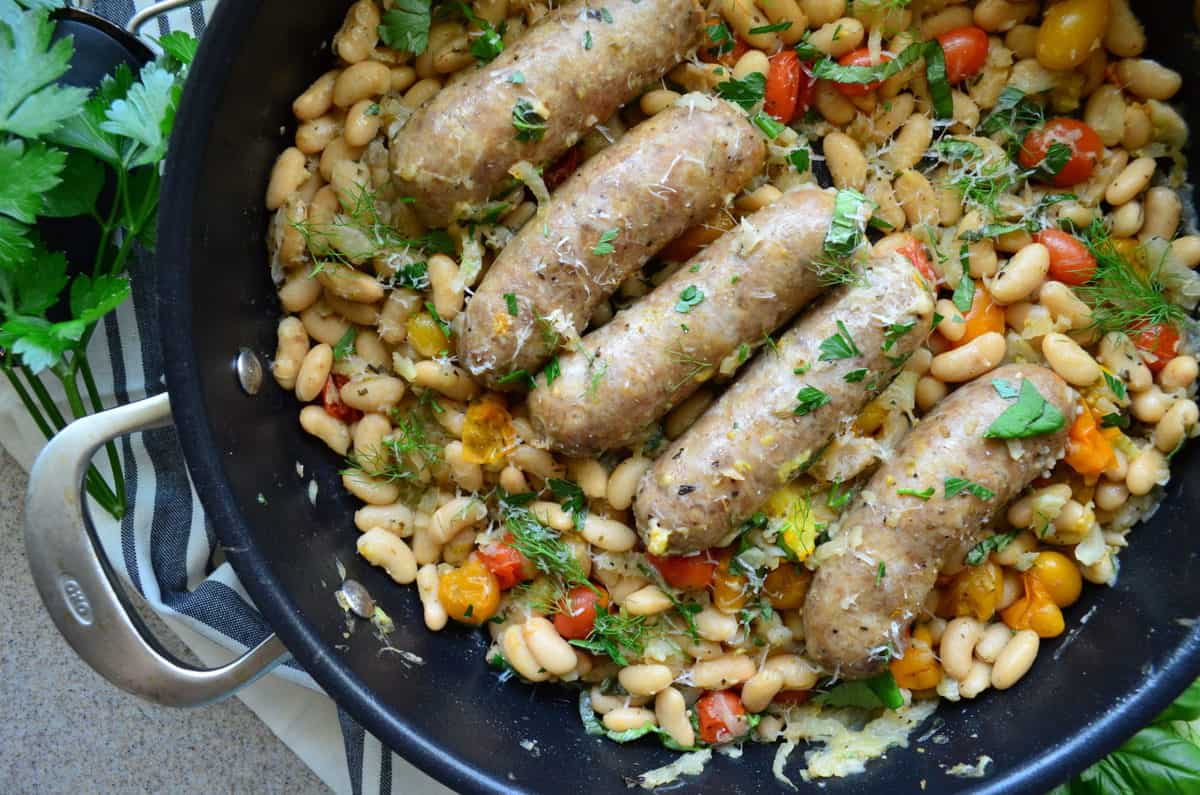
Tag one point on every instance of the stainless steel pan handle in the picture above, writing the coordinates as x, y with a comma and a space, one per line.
151, 11
78, 585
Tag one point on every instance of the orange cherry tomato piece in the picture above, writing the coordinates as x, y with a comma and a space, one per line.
1088, 450
1158, 343
782, 93
505, 562
984, 316
915, 252
786, 587
722, 717
577, 613
860, 57
1035, 610
975, 591
966, 50
725, 52
1084, 143
730, 589
1070, 261
688, 572
470, 593
488, 433
918, 669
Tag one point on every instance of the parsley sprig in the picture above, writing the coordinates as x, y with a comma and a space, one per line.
60, 148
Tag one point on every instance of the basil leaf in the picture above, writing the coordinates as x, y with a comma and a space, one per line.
1031, 415
848, 225
939, 85
1154, 760
878, 691
345, 346
1056, 159
957, 149
1185, 708
964, 293
829, 69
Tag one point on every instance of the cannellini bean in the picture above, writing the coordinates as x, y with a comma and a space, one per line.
1125, 36
838, 37
513, 480
622, 484
332, 431
1134, 179
712, 624
952, 325
317, 99
1163, 211
834, 106
743, 16
1148, 79
997, 16
670, 710
647, 601
1015, 660
1111, 496
1150, 405
623, 719
457, 514
1147, 469
1127, 220
288, 174
552, 653
1176, 425
608, 534
591, 476
314, 372
369, 489
1179, 374
1022, 40
992, 642
299, 292
383, 549
1068, 359
929, 391
722, 672
368, 434
1061, 301
1118, 354
376, 393
1186, 249
977, 680
910, 144
1023, 274
917, 197
659, 99
958, 646
435, 615
645, 680
1105, 113
533, 461
969, 361
290, 353
686, 413
425, 548
759, 689
798, 673
396, 518
845, 160
1138, 128
448, 379
512, 643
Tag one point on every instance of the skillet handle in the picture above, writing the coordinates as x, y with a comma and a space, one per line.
151, 11
78, 585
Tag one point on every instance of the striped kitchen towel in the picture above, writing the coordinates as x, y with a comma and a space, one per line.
163, 545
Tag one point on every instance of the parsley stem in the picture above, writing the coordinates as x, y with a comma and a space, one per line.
114, 460
30, 406
110, 501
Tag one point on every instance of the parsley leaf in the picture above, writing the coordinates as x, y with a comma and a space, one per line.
405, 27
894, 332
553, 370
956, 486
572, 498
510, 300
770, 126
144, 116
530, 125
447, 332
1031, 415
689, 297
778, 26
1057, 156
605, 246
1115, 385
880, 573
799, 158
31, 104
26, 173
964, 293
855, 376
810, 399
345, 346
1004, 389
746, 92
923, 494
878, 691
839, 346
979, 553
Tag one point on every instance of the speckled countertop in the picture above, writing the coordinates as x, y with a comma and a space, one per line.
64, 729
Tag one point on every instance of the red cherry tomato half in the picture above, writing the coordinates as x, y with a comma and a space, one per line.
1082, 140
1070, 261
860, 57
331, 399
722, 717
689, 572
917, 256
505, 562
710, 51
577, 614
1158, 342
782, 93
966, 50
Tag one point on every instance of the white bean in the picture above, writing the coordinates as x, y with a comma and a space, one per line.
332, 431
608, 534
645, 680
978, 680
1015, 660
623, 719
1147, 469
396, 518
1023, 274
512, 643
722, 672
992, 642
1176, 425
958, 645
381, 548
623, 482
1072, 362
456, 515
647, 601
435, 615
759, 689
671, 711
1134, 179
971, 360
552, 653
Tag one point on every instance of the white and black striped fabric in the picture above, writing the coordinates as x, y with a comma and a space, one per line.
164, 544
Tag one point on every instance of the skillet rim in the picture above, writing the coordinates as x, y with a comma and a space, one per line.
225, 35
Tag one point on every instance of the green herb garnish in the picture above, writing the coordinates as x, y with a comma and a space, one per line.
529, 124
839, 346
809, 399
979, 553
1031, 415
956, 486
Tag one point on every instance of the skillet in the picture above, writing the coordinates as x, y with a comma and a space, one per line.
450, 715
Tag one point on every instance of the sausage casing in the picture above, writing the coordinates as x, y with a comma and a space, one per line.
757, 436
752, 279
856, 612
575, 67
602, 225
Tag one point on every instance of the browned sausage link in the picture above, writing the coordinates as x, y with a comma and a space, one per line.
622, 206
458, 148
752, 440
854, 616
751, 280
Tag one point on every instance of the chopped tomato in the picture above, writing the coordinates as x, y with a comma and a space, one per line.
730, 589
1158, 342
721, 52
1082, 140
966, 50
560, 170
577, 613
917, 256
722, 717
1089, 451
331, 398
984, 316
470, 593
789, 697
689, 572
783, 86
860, 57
505, 562
1070, 261
1035, 610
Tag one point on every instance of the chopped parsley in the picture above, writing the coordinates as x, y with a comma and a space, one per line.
587, 40
719, 35
964, 293
921, 494
1031, 415
605, 245
774, 28
809, 399
345, 346
447, 332
956, 486
405, 27
855, 376
979, 553
746, 92
517, 376
690, 296
770, 126
529, 124
799, 158
1005, 389
1115, 385
837, 498
553, 370
510, 300
572, 498
1114, 420
517, 78
880, 573
839, 346
894, 332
